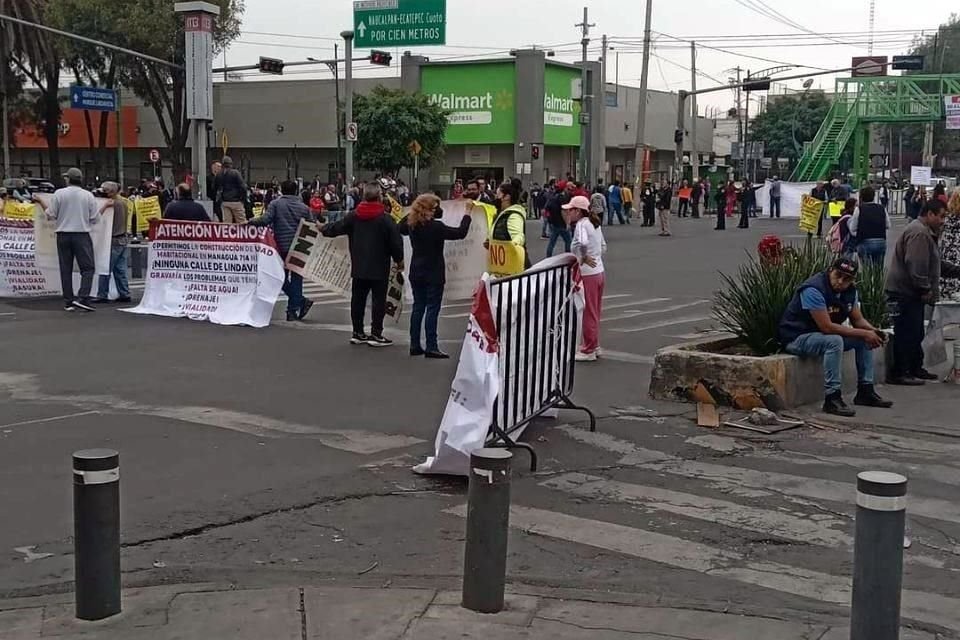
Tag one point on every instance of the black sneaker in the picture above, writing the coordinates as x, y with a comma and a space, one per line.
83, 305
923, 374
293, 316
69, 307
359, 338
416, 351
305, 309
124, 300
867, 397
834, 405
437, 355
905, 381
379, 341
101, 300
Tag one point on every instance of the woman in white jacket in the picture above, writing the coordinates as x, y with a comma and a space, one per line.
589, 247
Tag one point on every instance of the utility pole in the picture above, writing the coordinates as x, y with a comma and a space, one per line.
603, 62
743, 156
6, 111
694, 153
746, 134
640, 144
336, 90
120, 177
348, 100
585, 105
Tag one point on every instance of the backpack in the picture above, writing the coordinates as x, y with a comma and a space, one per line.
834, 238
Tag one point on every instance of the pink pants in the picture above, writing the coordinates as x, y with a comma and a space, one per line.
593, 295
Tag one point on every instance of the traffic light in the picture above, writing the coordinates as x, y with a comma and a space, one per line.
535, 151
382, 58
756, 84
272, 66
678, 136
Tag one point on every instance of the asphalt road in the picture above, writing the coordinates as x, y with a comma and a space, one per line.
254, 454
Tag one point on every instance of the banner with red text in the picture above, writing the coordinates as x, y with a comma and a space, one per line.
222, 273
29, 266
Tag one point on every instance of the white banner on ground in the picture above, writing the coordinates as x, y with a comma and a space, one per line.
790, 195
326, 261
29, 266
223, 273
469, 412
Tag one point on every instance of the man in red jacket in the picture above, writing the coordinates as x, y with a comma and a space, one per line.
374, 241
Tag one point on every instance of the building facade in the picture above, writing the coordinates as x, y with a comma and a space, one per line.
510, 117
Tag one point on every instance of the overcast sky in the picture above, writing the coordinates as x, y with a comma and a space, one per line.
492, 27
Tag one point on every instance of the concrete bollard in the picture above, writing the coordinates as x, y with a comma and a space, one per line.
96, 533
488, 523
878, 556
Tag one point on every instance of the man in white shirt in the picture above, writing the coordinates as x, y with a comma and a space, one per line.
74, 210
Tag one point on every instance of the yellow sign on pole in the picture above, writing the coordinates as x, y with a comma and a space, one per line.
505, 258
810, 210
415, 148
836, 209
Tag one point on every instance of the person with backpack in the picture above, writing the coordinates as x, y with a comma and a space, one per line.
839, 239
868, 227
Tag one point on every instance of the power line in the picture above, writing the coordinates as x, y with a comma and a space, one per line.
744, 55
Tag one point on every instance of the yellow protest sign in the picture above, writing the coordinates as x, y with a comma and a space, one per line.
257, 209
810, 210
147, 209
129, 204
396, 210
836, 209
505, 258
18, 210
488, 209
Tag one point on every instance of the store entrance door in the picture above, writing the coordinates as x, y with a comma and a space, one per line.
493, 175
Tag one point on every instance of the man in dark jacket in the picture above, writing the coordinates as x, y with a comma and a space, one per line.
813, 325
185, 207
232, 191
913, 282
374, 241
558, 226
212, 194
283, 216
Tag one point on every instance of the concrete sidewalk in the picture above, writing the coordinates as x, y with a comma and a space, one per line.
210, 612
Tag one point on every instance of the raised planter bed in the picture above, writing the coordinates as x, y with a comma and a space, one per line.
717, 371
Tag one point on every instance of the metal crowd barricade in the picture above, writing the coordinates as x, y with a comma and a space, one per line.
897, 206
537, 321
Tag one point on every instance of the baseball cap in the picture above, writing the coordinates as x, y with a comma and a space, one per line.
561, 184
846, 266
578, 202
73, 174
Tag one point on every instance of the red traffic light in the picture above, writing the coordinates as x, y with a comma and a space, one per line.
271, 65
382, 58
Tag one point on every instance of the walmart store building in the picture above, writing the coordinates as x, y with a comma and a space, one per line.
501, 110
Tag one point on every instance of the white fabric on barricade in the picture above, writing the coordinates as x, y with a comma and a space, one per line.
29, 266
481, 372
790, 194
223, 273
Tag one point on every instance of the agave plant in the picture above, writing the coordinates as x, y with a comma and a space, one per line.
751, 303
873, 297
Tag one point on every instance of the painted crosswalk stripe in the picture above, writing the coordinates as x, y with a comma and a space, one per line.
731, 514
660, 324
711, 561
635, 303
740, 481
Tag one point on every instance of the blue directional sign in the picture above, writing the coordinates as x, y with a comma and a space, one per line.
93, 98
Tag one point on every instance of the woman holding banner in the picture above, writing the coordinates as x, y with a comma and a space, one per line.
428, 269
589, 247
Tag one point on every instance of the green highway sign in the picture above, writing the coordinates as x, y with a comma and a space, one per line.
399, 23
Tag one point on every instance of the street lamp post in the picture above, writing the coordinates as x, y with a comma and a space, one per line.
348, 101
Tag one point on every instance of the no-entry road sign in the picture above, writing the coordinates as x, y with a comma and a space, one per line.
399, 23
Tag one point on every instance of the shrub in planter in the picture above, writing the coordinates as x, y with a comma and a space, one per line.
873, 296
751, 303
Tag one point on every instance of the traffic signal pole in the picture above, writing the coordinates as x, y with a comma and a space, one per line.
348, 102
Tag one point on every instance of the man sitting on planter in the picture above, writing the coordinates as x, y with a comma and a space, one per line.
813, 325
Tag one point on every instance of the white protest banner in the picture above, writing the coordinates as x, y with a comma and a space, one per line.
951, 108
920, 176
29, 266
223, 273
325, 261
466, 260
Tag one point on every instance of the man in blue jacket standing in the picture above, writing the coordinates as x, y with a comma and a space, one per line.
814, 325
283, 216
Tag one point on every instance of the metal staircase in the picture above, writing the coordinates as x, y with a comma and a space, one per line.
857, 103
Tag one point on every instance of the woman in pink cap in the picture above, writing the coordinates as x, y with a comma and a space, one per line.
589, 247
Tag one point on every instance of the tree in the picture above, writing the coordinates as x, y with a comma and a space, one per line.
788, 122
36, 55
389, 120
150, 27
90, 65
